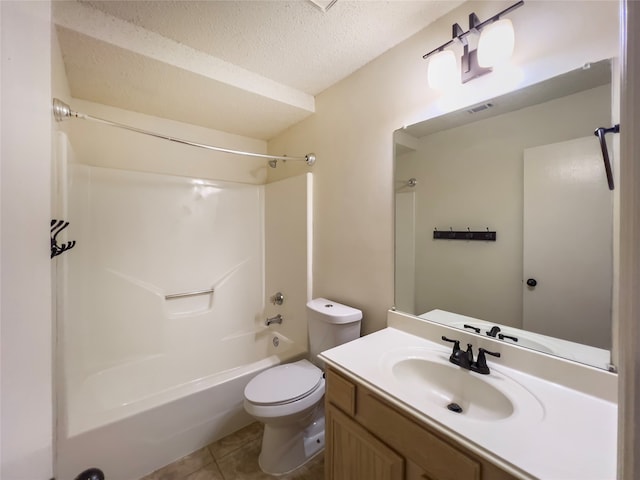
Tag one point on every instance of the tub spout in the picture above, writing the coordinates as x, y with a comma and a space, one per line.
276, 319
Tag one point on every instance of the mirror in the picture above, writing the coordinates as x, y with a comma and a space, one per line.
528, 167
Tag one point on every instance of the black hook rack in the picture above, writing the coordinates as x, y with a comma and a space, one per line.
56, 227
451, 234
600, 133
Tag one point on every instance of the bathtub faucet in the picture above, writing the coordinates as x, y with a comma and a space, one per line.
276, 319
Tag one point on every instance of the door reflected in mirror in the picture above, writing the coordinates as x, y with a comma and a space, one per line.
528, 167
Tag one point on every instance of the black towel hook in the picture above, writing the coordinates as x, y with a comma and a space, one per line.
600, 133
56, 227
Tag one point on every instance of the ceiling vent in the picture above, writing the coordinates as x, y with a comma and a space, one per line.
480, 108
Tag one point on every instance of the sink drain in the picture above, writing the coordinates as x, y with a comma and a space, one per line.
454, 407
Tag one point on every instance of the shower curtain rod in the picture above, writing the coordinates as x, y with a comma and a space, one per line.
62, 111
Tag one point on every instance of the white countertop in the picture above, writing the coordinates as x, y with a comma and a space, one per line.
567, 435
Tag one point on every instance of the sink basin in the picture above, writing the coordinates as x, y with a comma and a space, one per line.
448, 384
428, 379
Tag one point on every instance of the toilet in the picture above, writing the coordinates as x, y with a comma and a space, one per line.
289, 398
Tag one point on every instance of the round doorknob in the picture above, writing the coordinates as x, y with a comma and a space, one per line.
532, 282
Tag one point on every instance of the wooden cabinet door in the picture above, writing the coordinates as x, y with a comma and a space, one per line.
439, 459
352, 453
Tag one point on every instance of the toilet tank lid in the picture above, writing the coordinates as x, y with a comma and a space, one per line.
334, 312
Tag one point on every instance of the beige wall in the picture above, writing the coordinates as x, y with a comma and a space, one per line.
351, 134
25, 287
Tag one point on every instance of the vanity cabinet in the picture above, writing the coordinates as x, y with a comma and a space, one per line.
367, 438
356, 453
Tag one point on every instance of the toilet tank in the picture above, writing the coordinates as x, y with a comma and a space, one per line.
330, 324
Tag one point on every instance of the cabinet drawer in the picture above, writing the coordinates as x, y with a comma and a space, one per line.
341, 392
435, 458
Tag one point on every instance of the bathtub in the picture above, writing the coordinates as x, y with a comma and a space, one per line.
110, 424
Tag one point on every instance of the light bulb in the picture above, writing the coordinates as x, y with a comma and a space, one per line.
496, 43
442, 69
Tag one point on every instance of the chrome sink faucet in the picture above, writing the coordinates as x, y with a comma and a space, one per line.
464, 358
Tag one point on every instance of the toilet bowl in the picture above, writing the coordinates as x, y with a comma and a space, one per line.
289, 398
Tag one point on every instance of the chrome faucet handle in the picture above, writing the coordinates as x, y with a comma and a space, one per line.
277, 299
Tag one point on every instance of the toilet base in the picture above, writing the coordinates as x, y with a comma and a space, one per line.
286, 448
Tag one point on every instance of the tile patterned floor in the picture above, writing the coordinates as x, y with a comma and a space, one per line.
234, 457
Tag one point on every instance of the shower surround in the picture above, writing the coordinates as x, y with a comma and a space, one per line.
147, 375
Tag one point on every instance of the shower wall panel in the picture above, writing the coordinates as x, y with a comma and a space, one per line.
143, 236
288, 233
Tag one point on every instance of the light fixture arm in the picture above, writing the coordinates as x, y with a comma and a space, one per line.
475, 26
458, 33
474, 22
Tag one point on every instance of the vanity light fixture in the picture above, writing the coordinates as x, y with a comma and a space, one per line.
494, 47
442, 69
496, 43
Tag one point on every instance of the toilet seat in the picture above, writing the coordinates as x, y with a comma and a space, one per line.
284, 384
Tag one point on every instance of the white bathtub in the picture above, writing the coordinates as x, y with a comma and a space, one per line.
127, 434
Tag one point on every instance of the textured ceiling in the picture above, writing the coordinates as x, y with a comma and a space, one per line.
245, 67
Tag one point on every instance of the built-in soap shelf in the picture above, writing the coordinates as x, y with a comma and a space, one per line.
189, 303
